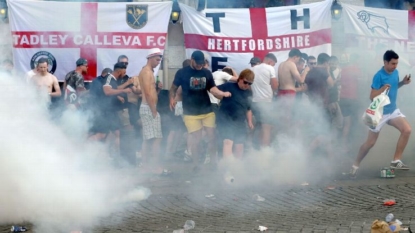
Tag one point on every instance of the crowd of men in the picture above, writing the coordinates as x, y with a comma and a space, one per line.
313, 100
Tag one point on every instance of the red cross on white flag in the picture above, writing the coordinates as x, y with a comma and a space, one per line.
99, 32
233, 36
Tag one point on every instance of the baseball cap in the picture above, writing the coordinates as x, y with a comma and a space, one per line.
199, 57
81, 62
255, 60
120, 65
154, 52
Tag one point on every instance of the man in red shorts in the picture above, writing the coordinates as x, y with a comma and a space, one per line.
288, 75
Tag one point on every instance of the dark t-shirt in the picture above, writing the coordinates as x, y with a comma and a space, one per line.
114, 104
235, 107
317, 86
95, 89
75, 80
195, 84
97, 97
120, 82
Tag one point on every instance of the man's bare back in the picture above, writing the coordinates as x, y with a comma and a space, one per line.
148, 86
286, 75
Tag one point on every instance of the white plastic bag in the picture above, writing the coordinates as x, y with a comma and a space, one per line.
373, 114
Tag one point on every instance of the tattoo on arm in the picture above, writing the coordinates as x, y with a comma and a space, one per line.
173, 90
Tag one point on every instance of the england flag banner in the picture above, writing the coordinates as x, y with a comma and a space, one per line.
62, 32
372, 29
231, 37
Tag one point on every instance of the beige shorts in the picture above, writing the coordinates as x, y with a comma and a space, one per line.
196, 123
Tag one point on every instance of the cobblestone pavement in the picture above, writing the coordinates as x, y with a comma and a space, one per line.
333, 204
349, 207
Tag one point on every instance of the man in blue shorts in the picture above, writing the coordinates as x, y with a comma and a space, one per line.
387, 77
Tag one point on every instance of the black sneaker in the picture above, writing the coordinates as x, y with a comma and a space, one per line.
399, 166
353, 172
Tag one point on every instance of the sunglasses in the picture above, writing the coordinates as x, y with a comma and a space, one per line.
246, 82
313, 63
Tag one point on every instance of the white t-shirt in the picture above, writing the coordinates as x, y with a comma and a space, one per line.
261, 88
220, 78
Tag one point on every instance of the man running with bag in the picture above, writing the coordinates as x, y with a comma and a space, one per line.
387, 77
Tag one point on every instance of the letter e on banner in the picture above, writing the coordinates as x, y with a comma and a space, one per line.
215, 63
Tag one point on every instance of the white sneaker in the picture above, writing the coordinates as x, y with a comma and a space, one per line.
187, 156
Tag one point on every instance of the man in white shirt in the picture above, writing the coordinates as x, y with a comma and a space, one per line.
220, 77
254, 61
265, 84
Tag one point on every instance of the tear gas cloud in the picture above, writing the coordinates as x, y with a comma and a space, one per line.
51, 175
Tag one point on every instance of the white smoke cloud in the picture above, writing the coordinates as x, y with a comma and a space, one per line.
289, 160
51, 175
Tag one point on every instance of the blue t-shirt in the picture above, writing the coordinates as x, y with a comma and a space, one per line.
381, 78
235, 107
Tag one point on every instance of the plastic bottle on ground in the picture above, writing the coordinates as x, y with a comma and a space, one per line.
18, 229
389, 217
188, 225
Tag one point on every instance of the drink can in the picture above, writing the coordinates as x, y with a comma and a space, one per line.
390, 173
18, 229
387, 172
383, 173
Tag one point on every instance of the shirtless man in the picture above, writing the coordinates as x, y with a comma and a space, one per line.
44, 80
288, 75
150, 118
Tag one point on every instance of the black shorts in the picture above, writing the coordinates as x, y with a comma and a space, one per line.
98, 121
133, 113
177, 123
349, 107
113, 121
171, 122
232, 130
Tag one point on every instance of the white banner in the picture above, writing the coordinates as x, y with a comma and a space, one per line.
233, 36
98, 32
372, 29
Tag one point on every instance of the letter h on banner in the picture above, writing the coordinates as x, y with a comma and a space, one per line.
295, 19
